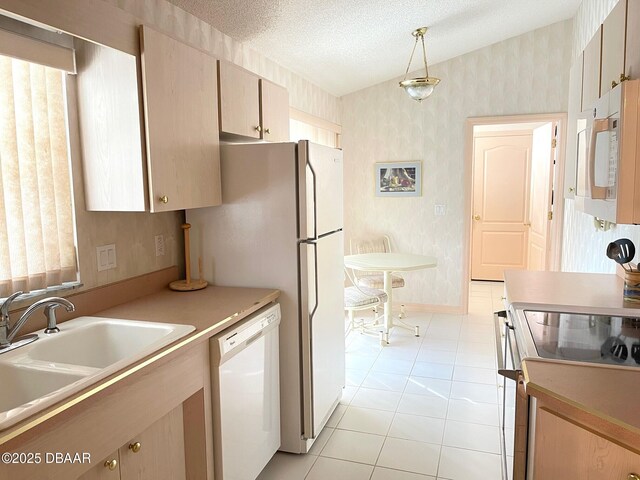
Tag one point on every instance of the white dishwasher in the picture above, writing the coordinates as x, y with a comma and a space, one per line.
245, 388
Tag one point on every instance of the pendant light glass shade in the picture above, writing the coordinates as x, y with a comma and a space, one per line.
419, 88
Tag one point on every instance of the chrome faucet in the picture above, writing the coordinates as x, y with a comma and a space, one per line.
8, 333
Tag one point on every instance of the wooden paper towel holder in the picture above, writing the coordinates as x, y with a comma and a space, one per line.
189, 284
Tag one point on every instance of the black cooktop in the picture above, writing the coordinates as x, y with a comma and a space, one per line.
586, 338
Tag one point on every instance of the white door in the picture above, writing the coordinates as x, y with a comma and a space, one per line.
540, 208
323, 348
322, 178
501, 183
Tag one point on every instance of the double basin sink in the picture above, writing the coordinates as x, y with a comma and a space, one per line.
85, 350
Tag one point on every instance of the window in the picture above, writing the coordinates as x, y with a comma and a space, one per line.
37, 238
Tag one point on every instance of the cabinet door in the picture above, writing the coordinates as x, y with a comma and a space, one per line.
566, 450
613, 38
239, 101
591, 71
181, 104
161, 451
109, 114
632, 51
102, 471
570, 161
274, 107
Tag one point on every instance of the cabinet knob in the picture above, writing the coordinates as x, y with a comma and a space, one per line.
614, 84
572, 190
258, 128
164, 199
476, 217
624, 78
111, 464
135, 447
267, 130
527, 224
633, 476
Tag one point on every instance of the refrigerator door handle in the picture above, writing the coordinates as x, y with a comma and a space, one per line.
315, 210
315, 283
307, 355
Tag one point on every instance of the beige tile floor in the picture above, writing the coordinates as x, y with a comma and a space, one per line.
419, 409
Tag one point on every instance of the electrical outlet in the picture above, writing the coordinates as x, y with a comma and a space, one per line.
159, 245
440, 210
106, 255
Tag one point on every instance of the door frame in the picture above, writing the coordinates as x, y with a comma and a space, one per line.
555, 230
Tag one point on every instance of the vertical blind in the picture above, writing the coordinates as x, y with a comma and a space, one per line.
37, 247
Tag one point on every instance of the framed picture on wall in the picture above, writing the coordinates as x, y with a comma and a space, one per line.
400, 179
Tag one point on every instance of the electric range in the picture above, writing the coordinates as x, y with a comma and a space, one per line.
589, 338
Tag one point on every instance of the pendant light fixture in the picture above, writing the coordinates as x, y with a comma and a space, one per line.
419, 88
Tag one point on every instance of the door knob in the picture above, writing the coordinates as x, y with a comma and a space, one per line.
164, 199
135, 447
258, 128
267, 130
633, 476
476, 217
111, 464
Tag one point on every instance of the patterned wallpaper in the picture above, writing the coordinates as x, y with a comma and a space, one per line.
303, 94
525, 74
583, 248
133, 233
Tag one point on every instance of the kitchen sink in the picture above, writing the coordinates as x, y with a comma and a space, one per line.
23, 385
85, 350
101, 342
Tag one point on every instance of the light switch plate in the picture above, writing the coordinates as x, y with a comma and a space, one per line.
440, 210
106, 255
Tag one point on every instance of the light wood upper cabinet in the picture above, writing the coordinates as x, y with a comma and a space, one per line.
251, 106
109, 118
591, 71
632, 51
274, 108
180, 103
239, 101
573, 111
564, 449
613, 46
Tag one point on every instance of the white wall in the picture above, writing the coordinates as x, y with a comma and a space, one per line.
523, 75
584, 247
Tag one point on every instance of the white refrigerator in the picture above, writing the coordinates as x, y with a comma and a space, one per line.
280, 226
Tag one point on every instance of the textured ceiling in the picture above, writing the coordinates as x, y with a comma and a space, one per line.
344, 46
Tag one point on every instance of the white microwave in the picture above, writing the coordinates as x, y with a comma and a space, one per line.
608, 169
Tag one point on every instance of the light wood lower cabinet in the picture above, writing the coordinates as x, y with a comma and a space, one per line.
564, 449
157, 453
166, 407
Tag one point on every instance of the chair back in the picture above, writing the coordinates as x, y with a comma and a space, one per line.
379, 244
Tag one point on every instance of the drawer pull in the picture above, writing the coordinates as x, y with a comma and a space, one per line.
135, 447
111, 464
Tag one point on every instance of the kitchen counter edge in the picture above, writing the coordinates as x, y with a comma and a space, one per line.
210, 311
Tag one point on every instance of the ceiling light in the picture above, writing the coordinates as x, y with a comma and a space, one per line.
419, 88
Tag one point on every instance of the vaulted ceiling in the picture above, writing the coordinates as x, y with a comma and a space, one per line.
344, 46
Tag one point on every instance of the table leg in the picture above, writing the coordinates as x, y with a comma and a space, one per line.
388, 307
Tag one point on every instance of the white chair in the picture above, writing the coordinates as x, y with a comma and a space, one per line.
358, 298
380, 244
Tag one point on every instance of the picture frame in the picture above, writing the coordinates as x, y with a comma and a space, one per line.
398, 179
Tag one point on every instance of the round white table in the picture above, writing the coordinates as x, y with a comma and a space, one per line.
388, 263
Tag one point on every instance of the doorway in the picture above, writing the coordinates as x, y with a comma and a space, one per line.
514, 165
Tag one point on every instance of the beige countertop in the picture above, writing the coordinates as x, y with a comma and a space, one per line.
210, 310
564, 291
605, 396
